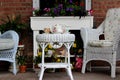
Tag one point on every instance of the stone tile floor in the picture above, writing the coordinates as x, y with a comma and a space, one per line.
32, 75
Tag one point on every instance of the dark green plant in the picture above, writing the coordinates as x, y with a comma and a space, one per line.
21, 60
13, 22
37, 12
64, 8
37, 60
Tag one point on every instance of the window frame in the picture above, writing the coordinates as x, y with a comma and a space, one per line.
36, 4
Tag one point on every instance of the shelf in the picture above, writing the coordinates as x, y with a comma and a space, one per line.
20, 46
59, 56
55, 65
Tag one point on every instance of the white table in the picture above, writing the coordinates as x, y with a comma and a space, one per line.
74, 23
66, 40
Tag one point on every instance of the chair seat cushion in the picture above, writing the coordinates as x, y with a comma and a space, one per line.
6, 44
100, 43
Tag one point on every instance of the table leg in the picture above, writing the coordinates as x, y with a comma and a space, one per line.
69, 72
68, 69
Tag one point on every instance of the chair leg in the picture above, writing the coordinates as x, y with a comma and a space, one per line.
113, 66
83, 67
14, 68
89, 67
113, 71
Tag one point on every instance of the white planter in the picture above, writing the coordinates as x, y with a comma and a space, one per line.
73, 23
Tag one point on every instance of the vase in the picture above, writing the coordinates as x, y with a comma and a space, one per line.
22, 68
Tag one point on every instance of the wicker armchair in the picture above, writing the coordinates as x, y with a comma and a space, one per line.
8, 47
108, 49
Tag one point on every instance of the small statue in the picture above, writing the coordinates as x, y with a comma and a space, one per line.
47, 30
58, 29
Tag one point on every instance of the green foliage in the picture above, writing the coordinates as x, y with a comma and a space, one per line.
64, 8
37, 12
12, 23
37, 60
21, 60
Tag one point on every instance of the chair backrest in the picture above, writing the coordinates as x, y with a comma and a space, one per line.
11, 34
112, 23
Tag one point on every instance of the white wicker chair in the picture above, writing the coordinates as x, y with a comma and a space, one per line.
106, 50
8, 52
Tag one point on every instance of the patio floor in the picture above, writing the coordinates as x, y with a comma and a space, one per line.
31, 75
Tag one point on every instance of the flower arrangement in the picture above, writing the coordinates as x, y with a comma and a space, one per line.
63, 8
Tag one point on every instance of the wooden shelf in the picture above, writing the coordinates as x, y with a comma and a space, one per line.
59, 56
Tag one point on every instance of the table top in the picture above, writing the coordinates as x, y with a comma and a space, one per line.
55, 37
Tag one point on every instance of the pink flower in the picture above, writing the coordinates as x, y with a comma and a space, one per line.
90, 12
47, 9
33, 9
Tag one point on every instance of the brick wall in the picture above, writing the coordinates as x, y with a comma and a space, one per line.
100, 8
24, 7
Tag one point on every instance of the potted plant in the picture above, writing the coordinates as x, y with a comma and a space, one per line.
12, 22
36, 61
21, 60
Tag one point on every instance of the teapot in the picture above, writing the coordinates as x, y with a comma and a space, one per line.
58, 28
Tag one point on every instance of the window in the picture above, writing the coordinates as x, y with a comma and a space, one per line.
50, 3
37, 4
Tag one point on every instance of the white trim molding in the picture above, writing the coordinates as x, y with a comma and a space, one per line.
88, 4
36, 4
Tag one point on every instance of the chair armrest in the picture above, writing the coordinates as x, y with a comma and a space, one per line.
89, 34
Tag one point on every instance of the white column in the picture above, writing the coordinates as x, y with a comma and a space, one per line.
88, 4
36, 4
35, 45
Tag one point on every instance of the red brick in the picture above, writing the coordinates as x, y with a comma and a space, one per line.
100, 8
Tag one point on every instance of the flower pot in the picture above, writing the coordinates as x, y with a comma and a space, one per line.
22, 69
